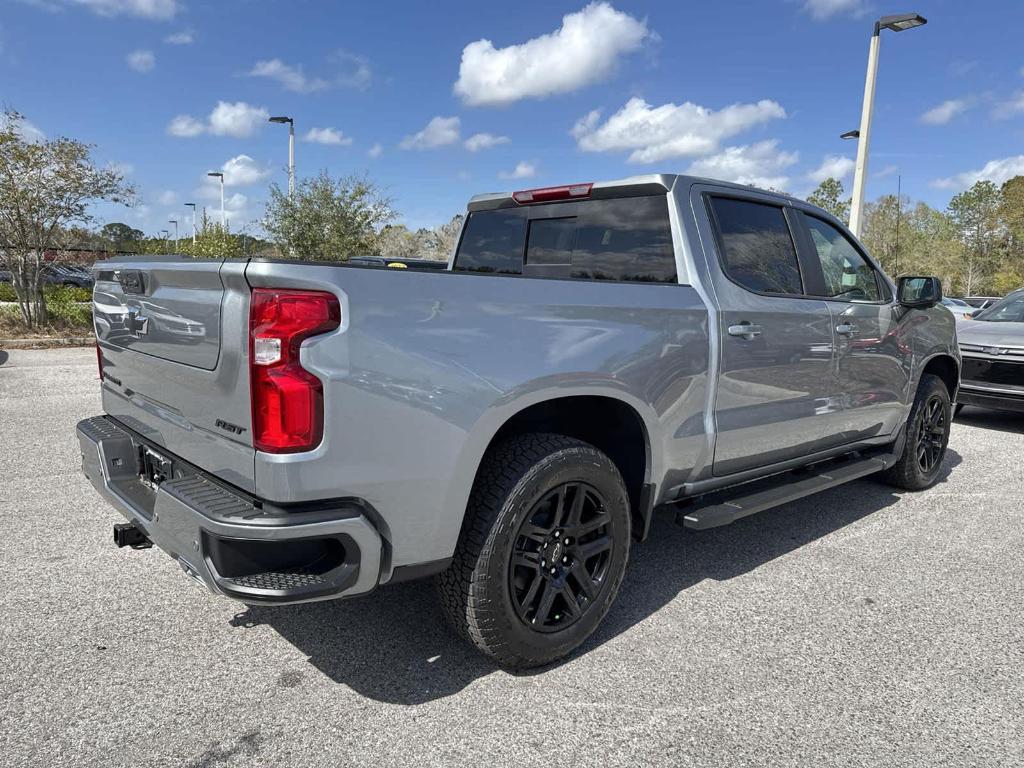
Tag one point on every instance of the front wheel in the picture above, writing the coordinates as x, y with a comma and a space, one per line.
542, 551
927, 437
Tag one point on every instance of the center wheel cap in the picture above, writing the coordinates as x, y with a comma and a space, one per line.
555, 552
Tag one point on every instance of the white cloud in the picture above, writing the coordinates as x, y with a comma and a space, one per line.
1014, 105
653, 134
185, 126
145, 9
584, 50
523, 170
289, 77
125, 169
28, 131
944, 112
888, 170
351, 71
331, 136
236, 119
479, 141
824, 9
996, 171
141, 61
167, 197
376, 150
185, 37
440, 131
761, 164
833, 166
241, 171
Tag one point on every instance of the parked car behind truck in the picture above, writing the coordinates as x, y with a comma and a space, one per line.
593, 352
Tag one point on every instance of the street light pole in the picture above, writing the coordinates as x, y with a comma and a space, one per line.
193, 207
291, 151
223, 218
175, 223
896, 23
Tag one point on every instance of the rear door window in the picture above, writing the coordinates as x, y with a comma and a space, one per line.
757, 247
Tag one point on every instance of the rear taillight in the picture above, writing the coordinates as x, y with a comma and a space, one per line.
287, 400
99, 359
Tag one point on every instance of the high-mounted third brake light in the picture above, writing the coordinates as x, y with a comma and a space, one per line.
287, 400
549, 194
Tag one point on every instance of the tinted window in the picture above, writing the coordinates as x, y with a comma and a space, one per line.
1008, 310
847, 274
493, 242
621, 239
757, 247
551, 242
625, 239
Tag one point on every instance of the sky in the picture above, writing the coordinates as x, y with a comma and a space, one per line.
438, 101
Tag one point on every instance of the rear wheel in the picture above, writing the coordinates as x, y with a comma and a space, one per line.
542, 552
927, 437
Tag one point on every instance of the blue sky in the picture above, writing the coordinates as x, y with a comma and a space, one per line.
439, 101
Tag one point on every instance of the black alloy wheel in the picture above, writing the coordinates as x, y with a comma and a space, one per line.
932, 435
561, 556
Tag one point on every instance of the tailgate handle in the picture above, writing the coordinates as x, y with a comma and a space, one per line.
131, 280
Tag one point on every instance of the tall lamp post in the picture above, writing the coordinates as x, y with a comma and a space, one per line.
896, 23
175, 223
223, 218
291, 150
193, 207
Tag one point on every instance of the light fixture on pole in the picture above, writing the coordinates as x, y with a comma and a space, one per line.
291, 150
193, 207
164, 234
175, 223
223, 217
897, 23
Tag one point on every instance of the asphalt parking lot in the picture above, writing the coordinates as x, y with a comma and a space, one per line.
857, 627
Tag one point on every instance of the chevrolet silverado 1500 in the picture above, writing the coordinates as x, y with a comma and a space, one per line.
293, 431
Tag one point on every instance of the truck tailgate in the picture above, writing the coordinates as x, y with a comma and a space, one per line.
173, 337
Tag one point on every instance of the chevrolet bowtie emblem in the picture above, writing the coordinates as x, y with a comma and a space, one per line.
138, 325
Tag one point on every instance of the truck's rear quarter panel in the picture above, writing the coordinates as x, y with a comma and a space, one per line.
427, 366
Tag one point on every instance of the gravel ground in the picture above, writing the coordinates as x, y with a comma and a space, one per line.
857, 627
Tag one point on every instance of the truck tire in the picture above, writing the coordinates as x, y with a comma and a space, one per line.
927, 436
542, 551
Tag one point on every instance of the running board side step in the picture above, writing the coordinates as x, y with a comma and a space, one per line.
730, 504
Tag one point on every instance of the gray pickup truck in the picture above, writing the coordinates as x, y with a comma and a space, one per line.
292, 431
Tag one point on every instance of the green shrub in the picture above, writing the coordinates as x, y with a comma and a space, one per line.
7, 292
74, 294
65, 307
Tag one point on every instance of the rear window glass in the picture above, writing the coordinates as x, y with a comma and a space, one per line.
493, 242
757, 247
620, 239
551, 241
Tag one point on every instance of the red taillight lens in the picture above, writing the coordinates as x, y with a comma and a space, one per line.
287, 400
548, 194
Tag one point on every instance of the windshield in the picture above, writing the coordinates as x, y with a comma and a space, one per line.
1008, 310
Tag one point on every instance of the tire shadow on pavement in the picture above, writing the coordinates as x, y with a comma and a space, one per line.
395, 646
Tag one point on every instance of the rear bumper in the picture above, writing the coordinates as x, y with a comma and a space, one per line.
983, 398
234, 544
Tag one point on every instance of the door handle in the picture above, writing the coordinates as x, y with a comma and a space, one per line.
745, 331
847, 329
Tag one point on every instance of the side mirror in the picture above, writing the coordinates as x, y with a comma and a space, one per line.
919, 292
